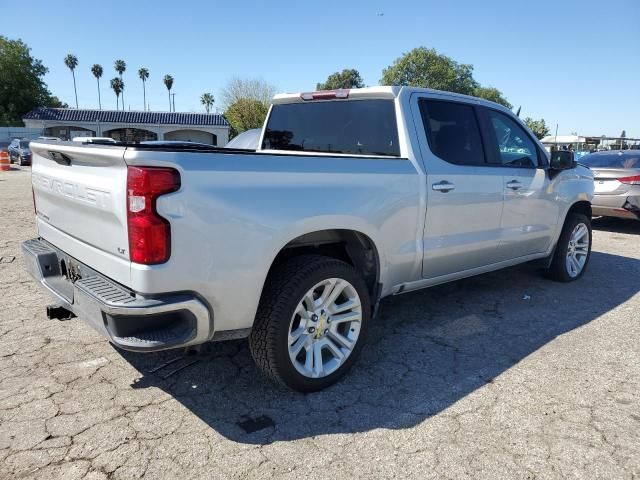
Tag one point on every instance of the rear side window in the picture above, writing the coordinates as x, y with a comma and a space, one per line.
356, 127
612, 160
453, 132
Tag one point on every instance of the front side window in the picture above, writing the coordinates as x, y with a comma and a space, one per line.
453, 132
515, 146
355, 127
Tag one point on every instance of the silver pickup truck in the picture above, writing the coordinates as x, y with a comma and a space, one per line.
352, 195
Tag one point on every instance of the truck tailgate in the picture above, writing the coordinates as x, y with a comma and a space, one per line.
80, 195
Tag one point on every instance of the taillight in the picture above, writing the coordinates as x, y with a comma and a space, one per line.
149, 233
325, 95
634, 180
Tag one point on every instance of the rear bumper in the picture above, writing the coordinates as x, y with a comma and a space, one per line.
127, 319
620, 206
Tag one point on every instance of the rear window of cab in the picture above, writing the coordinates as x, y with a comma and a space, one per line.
353, 127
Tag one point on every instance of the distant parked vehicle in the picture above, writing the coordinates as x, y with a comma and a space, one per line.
617, 183
50, 139
94, 139
248, 140
19, 152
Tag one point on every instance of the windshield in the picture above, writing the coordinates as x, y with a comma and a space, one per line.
357, 127
24, 144
612, 160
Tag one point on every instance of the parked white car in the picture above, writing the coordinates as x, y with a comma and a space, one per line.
248, 140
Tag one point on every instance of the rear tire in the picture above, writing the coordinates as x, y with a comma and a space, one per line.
573, 250
291, 346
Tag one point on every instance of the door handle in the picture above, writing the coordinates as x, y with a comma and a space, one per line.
514, 185
443, 186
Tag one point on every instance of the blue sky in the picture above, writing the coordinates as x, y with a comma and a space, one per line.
572, 62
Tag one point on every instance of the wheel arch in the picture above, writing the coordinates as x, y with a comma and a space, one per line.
351, 246
581, 206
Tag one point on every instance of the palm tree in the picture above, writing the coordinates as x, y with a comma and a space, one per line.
143, 73
71, 61
207, 100
97, 72
118, 86
168, 82
120, 67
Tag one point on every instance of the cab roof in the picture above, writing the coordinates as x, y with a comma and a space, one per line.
381, 92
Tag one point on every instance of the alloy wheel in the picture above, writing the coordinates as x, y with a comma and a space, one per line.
324, 328
578, 250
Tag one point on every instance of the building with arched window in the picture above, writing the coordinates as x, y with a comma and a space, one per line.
67, 123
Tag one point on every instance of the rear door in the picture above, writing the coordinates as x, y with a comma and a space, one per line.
464, 195
530, 212
80, 196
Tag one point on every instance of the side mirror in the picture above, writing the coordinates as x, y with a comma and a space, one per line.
562, 160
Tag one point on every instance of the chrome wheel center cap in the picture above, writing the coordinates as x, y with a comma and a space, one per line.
321, 325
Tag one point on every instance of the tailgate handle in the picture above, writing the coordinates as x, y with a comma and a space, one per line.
59, 158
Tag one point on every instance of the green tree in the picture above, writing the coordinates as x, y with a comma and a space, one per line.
347, 78
207, 100
71, 61
168, 82
538, 127
143, 73
247, 88
425, 67
97, 72
493, 94
22, 87
120, 66
54, 102
245, 114
117, 86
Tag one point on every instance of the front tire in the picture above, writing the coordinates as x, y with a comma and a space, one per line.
311, 322
573, 250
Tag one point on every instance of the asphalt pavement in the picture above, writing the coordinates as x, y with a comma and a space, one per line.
506, 375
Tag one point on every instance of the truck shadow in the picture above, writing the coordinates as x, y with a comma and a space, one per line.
616, 225
426, 350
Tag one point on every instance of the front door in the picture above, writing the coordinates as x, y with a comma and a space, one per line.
530, 213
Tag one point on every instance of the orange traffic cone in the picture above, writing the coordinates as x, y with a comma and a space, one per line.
5, 164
